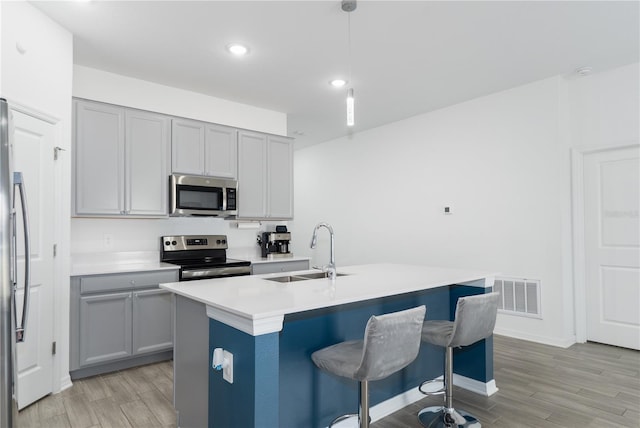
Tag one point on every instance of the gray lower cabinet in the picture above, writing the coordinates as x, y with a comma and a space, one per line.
279, 266
152, 321
119, 321
105, 327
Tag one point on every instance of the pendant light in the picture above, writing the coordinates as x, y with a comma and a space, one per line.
349, 6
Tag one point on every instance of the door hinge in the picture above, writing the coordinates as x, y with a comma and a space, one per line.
55, 250
57, 150
53, 348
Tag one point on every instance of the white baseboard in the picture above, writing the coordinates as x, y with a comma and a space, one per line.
393, 404
65, 383
561, 343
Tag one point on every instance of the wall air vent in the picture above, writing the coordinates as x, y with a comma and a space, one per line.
520, 296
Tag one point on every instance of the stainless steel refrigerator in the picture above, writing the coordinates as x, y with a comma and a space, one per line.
11, 331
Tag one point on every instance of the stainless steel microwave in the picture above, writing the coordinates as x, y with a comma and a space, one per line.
194, 195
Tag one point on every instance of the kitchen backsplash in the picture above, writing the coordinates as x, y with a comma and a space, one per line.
99, 235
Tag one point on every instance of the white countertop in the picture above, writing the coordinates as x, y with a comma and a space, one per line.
106, 263
257, 306
140, 261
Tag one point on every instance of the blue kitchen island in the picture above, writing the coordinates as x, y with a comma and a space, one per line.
273, 323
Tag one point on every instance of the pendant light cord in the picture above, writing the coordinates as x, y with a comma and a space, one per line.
349, 45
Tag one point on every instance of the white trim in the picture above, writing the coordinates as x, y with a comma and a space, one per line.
254, 327
487, 389
38, 114
400, 401
65, 383
577, 216
553, 341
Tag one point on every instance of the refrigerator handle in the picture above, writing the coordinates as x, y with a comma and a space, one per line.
18, 183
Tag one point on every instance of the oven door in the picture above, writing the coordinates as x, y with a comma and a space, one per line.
191, 274
195, 195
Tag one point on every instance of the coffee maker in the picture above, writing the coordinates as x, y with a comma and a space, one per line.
275, 244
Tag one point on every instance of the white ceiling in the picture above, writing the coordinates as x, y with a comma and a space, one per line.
408, 57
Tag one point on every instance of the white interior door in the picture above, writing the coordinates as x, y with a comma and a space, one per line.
612, 242
33, 142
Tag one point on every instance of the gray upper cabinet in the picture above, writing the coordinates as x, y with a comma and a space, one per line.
99, 159
221, 151
280, 177
252, 170
265, 176
187, 147
200, 148
146, 163
121, 161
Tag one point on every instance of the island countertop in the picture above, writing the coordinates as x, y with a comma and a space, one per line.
255, 305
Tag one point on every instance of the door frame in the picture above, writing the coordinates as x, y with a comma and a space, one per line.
577, 213
61, 222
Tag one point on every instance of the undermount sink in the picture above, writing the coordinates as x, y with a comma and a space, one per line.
302, 277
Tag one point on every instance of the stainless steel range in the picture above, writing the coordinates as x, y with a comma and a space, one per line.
201, 257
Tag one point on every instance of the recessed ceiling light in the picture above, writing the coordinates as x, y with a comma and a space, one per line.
338, 83
584, 71
237, 49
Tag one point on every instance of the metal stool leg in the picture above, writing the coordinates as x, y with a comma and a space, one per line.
363, 408
447, 416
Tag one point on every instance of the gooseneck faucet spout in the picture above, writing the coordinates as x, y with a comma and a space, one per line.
331, 267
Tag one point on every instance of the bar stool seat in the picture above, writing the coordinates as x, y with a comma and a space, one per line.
475, 320
391, 342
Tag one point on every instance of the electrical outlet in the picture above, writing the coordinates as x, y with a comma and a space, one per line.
227, 369
108, 240
447, 210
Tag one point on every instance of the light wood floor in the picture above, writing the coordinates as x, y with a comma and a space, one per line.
138, 397
587, 385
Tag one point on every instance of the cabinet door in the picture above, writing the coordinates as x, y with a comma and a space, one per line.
99, 159
187, 147
252, 151
280, 178
105, 327
147, 166
152, 321
221, 152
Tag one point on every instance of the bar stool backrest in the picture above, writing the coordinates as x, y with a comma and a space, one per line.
475, 319
391, 342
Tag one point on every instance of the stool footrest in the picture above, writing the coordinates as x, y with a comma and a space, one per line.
440, 391
343, 417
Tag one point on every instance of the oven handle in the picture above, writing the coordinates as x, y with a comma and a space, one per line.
215, 272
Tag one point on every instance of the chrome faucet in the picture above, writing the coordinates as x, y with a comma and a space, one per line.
331, 267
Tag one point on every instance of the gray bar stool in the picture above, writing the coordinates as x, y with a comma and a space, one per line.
391, 342
475, 320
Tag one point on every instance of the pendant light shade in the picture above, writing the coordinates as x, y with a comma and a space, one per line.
350, 108
349, 6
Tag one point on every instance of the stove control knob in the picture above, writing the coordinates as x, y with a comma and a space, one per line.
218, 241
167, 243
174, 243
224, 241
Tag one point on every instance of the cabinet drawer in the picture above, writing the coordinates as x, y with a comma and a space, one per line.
274, 267
112, 282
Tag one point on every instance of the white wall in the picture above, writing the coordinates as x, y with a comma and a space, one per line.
112, 88
502, 162
40, 80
